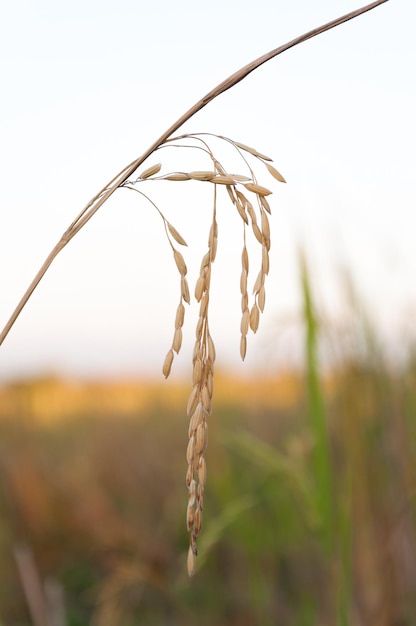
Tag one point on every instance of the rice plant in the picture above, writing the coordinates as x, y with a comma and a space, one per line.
248, 196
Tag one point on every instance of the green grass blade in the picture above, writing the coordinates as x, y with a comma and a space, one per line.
321, 459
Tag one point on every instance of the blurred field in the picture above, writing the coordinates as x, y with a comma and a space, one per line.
310, 501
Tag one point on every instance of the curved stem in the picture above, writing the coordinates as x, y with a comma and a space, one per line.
47, 263
102, 196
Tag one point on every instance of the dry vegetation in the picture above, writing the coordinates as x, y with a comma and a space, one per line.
91, 501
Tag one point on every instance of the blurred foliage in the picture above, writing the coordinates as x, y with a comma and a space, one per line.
310, 501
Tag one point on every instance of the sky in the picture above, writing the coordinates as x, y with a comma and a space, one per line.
87, 86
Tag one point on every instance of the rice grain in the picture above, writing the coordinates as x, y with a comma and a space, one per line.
150, 171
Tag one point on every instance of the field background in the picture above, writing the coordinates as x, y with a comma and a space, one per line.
309, 506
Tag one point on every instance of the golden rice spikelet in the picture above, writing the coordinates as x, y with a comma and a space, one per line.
258, 189
259, 282
203, 307
245, 322
150, 171
193, 400
196, 419
206, 399
254, 318
219, 168
251, 212
191, 562
190, 451
199, 288
261, 298
190, 516
223, 180
252, 151
265, 226
245, 319
202, 175
244, 259
167, 365
177, 236
202, 471
185, 290
197, 521
177, 176
180, 262
243, 281
213, 240
264, 203
244, 302
265, 262
243, 347
273, 171
201, 438
177, 340
197, 372
204, 262
239, 178
180, 316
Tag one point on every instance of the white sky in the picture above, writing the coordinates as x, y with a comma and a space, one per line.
87, 86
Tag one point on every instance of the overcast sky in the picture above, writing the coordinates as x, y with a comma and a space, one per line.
87, 86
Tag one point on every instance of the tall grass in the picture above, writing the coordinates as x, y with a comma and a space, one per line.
321, 456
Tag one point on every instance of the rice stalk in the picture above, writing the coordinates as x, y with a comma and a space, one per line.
239, 188
237, 185
102, 196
